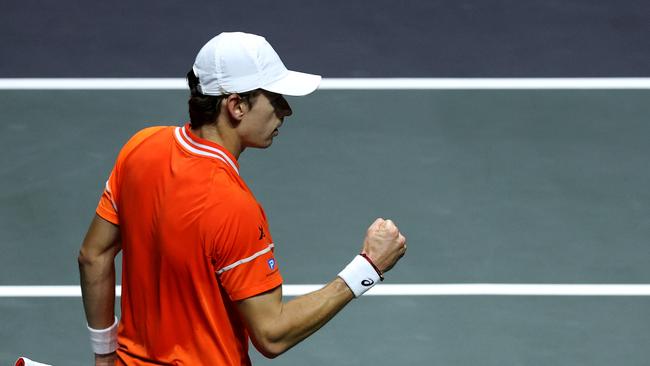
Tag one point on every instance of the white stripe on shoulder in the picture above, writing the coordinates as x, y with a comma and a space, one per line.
110, 195
206, 147
197, 151
245, 260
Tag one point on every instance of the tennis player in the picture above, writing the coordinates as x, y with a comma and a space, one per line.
199, 276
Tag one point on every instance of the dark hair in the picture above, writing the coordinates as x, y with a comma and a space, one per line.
204, 109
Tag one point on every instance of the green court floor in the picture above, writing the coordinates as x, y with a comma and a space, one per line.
502, 186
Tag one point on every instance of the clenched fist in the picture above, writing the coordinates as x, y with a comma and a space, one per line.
384, 244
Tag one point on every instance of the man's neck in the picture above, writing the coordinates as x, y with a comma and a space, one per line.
224, 137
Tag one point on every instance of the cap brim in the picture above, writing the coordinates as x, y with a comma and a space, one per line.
294, 84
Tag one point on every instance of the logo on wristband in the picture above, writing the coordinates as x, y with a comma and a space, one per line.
368, 282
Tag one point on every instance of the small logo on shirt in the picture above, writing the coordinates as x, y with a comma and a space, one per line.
367, 282
262, 235
271, 263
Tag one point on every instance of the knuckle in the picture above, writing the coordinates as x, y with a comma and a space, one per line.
376, 224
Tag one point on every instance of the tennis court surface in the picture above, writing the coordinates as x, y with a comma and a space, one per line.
490, 186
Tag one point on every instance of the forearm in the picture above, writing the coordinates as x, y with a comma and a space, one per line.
304, 315
275, 326
97, 272
98, 289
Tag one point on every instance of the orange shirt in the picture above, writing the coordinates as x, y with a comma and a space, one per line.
194, 240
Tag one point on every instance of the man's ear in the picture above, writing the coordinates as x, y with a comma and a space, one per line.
236, 107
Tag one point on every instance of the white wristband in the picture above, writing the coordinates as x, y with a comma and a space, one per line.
104, 341
359, 275
24, 361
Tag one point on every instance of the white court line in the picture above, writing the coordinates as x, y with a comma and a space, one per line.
482, 289
337, 83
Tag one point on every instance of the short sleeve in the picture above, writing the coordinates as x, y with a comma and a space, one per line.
108, 203
107, 207
243, 249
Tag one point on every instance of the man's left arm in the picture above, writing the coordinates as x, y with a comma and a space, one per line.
97, 273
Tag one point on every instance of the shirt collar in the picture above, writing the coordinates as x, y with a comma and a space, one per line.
203, 147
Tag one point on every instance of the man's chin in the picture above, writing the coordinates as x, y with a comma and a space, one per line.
264, 145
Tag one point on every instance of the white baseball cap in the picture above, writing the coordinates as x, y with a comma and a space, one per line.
235, 62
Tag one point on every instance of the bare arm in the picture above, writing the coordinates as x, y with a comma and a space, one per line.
97, 273
276, 326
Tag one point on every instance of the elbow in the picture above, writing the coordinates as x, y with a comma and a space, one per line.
90, 258
87, 259
84, 259
269, 347
270, 351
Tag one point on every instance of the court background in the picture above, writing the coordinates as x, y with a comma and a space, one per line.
504, 186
